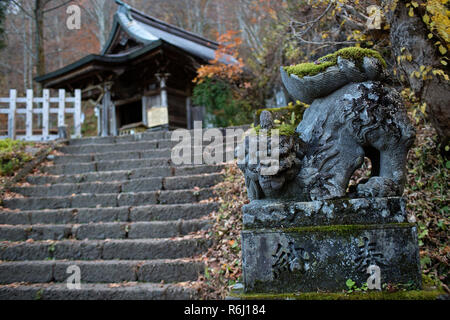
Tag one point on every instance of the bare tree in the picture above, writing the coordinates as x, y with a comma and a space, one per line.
100, 13
37, 13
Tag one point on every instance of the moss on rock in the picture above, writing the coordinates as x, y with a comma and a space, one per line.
351, 53
343, 231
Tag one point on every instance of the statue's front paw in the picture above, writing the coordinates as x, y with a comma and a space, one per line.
378, 187
271, 185
326, 192
254, 191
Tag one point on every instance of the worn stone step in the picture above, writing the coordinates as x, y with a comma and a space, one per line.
112, 291
135, 185
67, 189
164, 171
148, 135
103, 230
129, 249
156, 135
122, 155
148, 145
100, 166
101, 271
155, 212
113, 147
188, 182
110, 200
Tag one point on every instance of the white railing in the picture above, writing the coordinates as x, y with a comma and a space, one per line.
45, 110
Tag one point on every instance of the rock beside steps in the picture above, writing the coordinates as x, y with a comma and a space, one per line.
118, 210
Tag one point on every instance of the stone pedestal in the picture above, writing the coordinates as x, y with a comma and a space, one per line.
315, 246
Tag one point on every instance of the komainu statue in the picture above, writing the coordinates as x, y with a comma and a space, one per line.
353, 114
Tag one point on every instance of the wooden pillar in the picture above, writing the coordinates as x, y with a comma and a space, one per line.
29, 115
162, 78
61, 107
144, 110
105, 112
99, 120
77, 113
112, 119
12, 114
45, 114
189, 113
62, 132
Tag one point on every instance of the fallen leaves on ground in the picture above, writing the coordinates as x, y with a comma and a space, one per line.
223, 259
428, 201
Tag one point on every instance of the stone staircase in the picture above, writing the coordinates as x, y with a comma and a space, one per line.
119, 210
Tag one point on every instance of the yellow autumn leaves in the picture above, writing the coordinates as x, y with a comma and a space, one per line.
437, 19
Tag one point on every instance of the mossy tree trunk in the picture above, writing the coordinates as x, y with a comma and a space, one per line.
409, 35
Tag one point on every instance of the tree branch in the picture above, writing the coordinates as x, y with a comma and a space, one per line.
58, 6
22, 8
10, 68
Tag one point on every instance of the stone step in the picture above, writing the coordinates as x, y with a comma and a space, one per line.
129, 249
101, 271
123, 175
112, 147
147, 145
122, 155
103, 230
148, 135
97, 291
157, 135
101, 166
137, 146
155, 212
136, 185
110, 200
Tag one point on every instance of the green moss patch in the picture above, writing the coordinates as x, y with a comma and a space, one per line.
343, 231
309, 68
347, 229
286, 119
291, 114
351, 53
13, 155
283, 130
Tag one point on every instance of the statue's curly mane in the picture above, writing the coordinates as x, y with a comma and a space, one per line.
375, 108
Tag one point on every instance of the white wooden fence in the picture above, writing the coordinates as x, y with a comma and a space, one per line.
45, 110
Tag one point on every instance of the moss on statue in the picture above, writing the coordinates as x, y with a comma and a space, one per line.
352, 53
283, 130
286, 119
292, 113
284, 113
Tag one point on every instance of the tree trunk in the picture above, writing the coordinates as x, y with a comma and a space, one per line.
411, 33
39, 39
